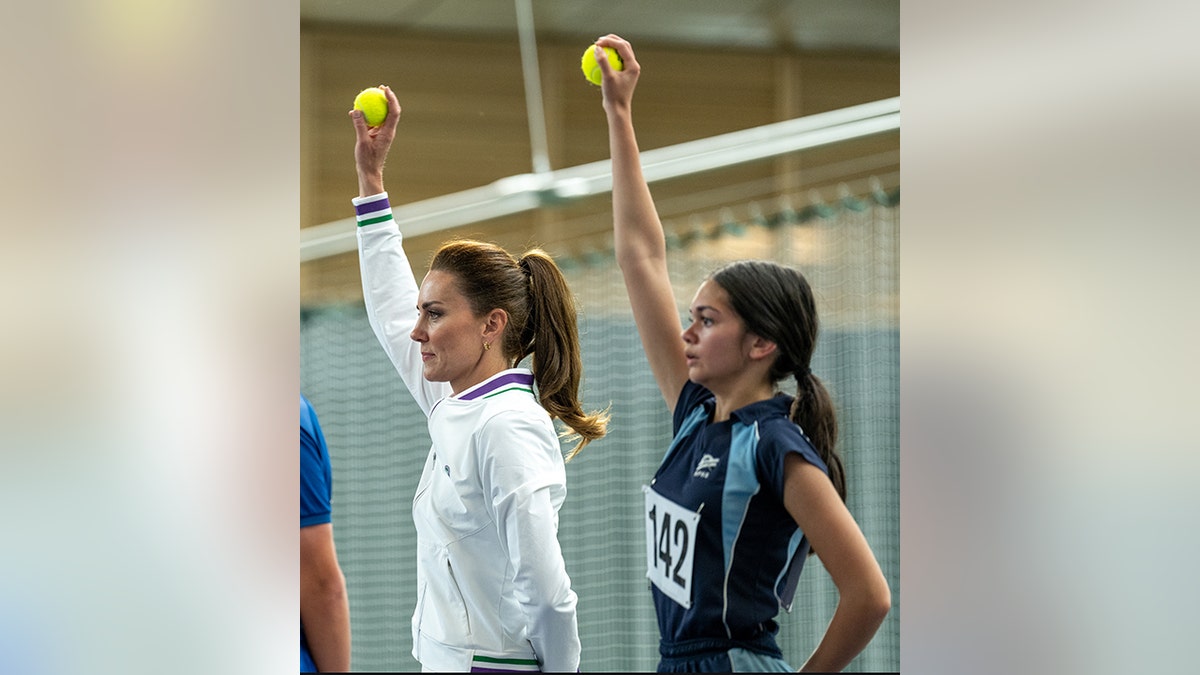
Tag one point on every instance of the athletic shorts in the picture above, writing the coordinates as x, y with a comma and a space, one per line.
721, 656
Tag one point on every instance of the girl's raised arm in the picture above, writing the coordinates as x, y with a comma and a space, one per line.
637, 232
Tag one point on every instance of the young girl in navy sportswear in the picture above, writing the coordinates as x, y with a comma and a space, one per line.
752, 480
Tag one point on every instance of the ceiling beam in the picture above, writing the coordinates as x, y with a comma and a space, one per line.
525, 192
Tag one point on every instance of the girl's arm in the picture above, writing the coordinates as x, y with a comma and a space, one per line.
637, 233
863, 594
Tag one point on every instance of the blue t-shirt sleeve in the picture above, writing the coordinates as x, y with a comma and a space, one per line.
690, 396
316, 474
781, 438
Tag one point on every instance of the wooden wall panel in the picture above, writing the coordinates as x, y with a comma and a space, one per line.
464, 125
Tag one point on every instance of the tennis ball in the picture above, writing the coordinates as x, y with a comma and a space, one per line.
591, 69
374, 105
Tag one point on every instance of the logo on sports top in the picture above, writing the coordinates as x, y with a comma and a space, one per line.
706, 462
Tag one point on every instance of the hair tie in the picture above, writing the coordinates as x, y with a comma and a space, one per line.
801, 373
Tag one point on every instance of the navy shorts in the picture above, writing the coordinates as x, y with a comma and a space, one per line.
721, 656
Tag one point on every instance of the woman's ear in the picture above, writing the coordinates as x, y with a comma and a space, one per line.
494, 323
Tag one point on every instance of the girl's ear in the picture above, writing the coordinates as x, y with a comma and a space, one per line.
760, 347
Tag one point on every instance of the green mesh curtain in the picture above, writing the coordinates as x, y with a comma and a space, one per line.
378, 438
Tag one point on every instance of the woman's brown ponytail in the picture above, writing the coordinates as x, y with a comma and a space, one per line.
542, 322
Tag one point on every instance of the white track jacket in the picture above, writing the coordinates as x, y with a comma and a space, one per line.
492, 587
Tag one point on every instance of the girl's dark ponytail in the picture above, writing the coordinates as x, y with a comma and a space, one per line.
777, 303
813, 411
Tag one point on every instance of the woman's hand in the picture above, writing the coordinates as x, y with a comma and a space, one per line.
372, 144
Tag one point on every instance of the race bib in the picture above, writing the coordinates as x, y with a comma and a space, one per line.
670, 546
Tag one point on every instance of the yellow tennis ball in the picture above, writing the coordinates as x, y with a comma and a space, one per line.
591, 69
374, 105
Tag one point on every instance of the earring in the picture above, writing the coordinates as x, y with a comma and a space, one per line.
487, 346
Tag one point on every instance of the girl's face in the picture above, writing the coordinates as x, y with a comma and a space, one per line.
450, 335
716, 342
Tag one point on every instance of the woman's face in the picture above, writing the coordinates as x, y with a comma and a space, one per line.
450, 335
716, 343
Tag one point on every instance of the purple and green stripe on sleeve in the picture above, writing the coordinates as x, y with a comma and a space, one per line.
487, 664
375, 209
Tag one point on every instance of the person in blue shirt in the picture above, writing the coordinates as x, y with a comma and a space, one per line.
324, 608
752, 481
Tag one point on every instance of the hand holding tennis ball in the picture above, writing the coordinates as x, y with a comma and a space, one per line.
374, 105
591, 69
372, 143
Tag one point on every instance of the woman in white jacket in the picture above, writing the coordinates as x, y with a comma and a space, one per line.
493, 592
